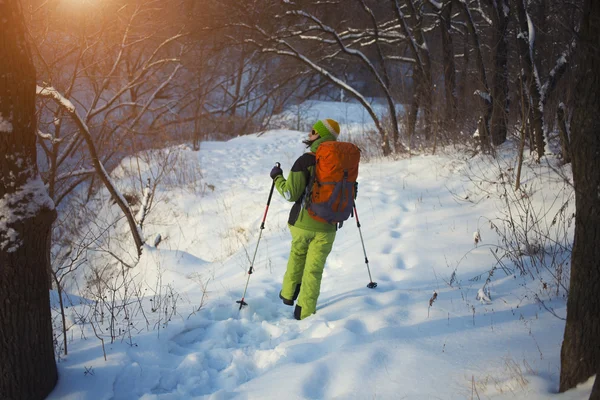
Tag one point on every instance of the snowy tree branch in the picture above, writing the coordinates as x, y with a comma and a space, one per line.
50, 92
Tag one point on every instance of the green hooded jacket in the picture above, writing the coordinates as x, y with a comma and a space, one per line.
293, 189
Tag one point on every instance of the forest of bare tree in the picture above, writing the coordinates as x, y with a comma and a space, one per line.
117, 77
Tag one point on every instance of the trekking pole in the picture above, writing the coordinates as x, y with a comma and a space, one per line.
371, 284
262, 226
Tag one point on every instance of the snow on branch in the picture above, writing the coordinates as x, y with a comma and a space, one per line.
483, 15
317, 39
415, 46
292, 52
505, 9
49, 137
478, 54
437, 5
143, 212
531, 31
483, 296
72, 174
83, 128
556, 72
45, 136
484, 95
529, 37
432, 27
357, 53
402, 59
50, 92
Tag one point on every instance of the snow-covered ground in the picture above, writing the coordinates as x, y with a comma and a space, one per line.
382, 343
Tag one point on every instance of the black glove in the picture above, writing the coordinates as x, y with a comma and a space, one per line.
275, 172
355, 190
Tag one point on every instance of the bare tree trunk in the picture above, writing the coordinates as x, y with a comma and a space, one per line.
501, 14
520, 157
526, 45
580, 353
239, 78
426, 100
464, 77
413, 111
27, 366
196, 134
522, 136
564, 134
59, 291
595, 395
384, 81
449, 66
422, 78
426, 83
485, 96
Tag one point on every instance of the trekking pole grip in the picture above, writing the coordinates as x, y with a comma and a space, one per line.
272, 187
262, 225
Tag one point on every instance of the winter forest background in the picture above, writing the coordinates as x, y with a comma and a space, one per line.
130, 115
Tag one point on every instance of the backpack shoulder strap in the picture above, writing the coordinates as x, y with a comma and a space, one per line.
309, 186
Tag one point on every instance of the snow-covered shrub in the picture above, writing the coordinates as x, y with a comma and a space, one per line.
533, 225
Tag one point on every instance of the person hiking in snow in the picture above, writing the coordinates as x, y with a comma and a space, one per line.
312, 240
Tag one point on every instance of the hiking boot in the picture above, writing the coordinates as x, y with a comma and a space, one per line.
286, 301
298, 312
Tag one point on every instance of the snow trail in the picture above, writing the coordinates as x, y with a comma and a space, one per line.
362, 343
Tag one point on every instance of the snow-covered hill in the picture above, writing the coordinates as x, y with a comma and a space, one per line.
391, 342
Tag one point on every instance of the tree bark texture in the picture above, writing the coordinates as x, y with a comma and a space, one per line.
27, 365
413, 110
564, 134
580, 353
426, 82
535, 115
449, 66
422, 81
500, 75
384, 80
463, 78
487, 102
595, 395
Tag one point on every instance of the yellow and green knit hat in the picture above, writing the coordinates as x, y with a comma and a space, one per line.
326, 127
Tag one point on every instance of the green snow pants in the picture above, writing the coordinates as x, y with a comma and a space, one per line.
305, 267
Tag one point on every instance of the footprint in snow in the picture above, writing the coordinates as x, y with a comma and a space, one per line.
315, 385
395, 234
387, 249
356, 326
218, 353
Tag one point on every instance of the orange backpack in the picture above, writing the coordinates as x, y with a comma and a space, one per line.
331, 189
